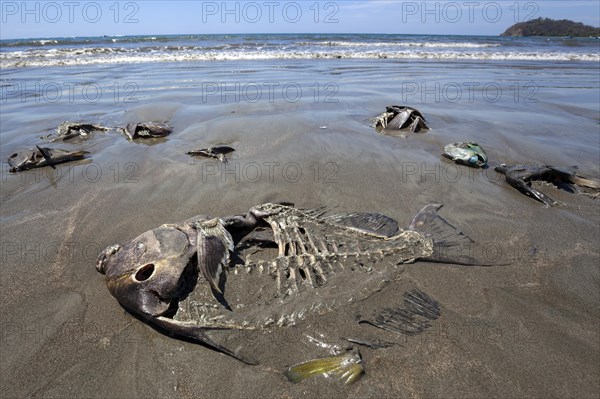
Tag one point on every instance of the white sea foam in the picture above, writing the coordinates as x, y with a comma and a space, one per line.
107, 55
44, 42
402, 44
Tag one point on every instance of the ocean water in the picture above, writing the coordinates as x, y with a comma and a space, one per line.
298, 110
145, 49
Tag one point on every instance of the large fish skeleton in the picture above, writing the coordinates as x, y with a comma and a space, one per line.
189, 278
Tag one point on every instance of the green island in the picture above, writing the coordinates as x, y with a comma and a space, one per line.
551, 27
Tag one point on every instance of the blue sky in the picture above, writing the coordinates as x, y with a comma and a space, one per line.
33, 19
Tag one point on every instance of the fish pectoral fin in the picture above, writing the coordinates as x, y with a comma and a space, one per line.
538, 195
47, 155
525, 188
346, 368
418, 125
213, 245
199, 334
399, 121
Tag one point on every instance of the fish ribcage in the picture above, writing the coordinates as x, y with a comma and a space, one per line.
310, 254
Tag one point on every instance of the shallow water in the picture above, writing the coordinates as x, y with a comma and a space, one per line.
302, 133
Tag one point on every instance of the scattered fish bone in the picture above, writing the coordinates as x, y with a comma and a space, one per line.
213, 152
68, 130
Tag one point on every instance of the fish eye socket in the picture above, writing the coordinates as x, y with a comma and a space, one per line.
13, 155
144, 272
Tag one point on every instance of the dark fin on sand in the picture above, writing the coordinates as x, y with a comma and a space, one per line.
346, 368
197, 333
399, 320
372, 223
47, 156
213, 152
533, 193
411, 319
419, 303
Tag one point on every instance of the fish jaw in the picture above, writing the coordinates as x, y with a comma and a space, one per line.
150, 289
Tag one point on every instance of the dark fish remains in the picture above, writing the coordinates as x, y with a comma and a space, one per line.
68, 130
269, 268
213, 152
146, 130
521, 176
42, 156
400, 117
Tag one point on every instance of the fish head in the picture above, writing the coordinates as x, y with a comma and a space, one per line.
502, 168
150, 273
24, 160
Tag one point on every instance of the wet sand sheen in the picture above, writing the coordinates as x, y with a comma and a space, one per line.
498, 325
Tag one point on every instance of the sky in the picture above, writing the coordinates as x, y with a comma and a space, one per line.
64, 18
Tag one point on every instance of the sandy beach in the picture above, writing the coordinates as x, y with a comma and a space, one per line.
526, 329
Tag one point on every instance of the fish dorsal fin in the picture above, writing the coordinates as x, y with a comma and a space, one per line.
567, 170
47, 154
372, 223
213, 243
570, 174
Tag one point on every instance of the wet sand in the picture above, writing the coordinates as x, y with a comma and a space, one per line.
528, 329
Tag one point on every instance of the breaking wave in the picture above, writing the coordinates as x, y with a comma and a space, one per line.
25, 53
95, 56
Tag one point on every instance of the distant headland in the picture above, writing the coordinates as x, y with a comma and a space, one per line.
551, 27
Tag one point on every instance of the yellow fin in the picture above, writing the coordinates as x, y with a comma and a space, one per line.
345, 368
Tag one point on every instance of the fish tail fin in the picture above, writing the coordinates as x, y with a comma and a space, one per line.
450, 245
